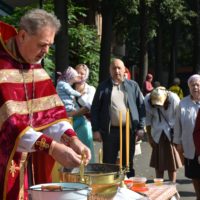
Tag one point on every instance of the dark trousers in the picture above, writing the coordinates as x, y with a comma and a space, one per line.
111, 147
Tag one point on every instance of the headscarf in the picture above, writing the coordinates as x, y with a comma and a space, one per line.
67, 75
149, 76
85, 67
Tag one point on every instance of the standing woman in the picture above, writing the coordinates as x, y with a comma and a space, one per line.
81, 117
186, 128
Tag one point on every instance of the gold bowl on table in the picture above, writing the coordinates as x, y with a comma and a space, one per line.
103, 178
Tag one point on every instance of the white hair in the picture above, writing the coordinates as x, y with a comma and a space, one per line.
194, 77
37, 18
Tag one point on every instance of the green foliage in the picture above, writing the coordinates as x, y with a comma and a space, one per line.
127, 23
124, 10
15, 17
127, 6
74, 12
176, 10
84, 48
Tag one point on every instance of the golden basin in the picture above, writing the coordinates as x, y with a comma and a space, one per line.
103, 178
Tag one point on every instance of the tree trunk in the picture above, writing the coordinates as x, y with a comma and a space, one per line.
105, 52
61, 40
173, 58
92, 6
196, 67
158, 45
143, 67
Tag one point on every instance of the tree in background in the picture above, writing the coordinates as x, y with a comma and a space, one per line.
195, 6
61, 39
158, 36
84, 42
107, 23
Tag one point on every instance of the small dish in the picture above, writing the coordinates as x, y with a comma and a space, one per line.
158, 181
129, 183
139, 181
139, 189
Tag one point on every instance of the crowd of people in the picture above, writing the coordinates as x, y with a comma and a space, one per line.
49, 124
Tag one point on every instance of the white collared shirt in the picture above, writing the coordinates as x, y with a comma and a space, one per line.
184, 127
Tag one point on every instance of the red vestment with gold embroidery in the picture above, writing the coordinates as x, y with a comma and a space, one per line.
46, 108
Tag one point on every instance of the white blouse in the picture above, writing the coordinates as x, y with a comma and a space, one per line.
86, 99
184, 127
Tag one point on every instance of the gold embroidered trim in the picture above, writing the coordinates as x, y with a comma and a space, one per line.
20, 107
15, 76
10, 160
13, 168
23, 165
42, 144
50, 124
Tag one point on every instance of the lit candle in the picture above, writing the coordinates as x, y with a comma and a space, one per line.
120, 139
127, 138
100, 156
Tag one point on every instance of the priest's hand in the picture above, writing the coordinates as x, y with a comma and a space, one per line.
65, 155
80, 148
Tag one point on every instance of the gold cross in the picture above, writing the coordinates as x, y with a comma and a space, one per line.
42, 144
13, 168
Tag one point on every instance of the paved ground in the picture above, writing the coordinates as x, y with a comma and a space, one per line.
142, 168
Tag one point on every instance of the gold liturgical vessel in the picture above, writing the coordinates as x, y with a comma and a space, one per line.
103, 178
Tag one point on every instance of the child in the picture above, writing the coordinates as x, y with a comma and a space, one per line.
65, 90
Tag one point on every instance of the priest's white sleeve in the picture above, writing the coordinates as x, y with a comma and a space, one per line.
55, 131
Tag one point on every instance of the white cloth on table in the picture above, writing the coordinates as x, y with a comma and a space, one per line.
126, 194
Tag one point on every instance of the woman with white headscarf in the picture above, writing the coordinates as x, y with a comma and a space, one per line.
83, 127
186, 129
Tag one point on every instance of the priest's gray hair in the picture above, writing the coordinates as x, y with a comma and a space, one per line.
36, 19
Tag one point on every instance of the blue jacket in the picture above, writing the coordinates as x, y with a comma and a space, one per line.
67, 95
101, 104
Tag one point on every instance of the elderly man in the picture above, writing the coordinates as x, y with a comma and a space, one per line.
114, 95
32, 116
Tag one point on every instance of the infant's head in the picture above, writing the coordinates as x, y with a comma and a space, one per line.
71, 75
